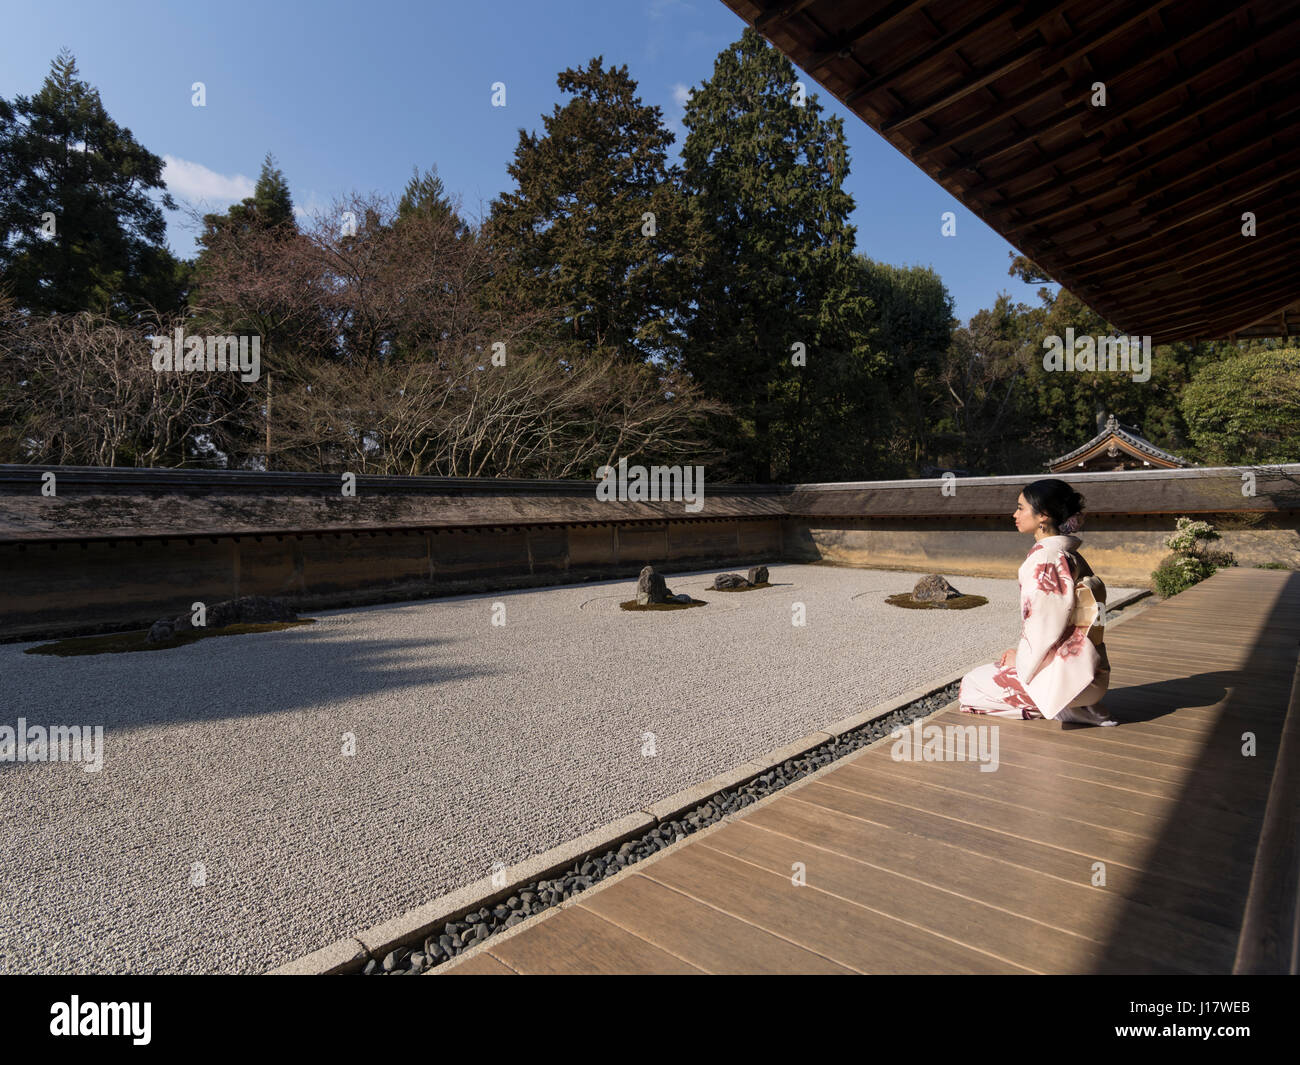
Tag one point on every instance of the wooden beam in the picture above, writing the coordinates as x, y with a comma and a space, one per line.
1073, 50
843, 45
779, 14
945, 43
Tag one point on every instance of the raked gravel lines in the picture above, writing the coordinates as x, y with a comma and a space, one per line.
475, 744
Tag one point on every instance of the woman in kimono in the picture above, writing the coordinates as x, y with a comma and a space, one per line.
1057, 671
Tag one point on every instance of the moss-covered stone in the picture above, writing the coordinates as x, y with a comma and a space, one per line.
962, 602
632, 604
128, 642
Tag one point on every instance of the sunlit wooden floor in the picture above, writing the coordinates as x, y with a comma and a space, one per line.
1088, 850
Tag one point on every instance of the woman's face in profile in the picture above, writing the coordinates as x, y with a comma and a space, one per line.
1026, 522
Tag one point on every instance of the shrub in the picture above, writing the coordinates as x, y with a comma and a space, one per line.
1177, 573
1192, 560
1189, 536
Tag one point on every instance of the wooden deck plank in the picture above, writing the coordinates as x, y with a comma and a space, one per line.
1071, 906
964, 919
484, 965
1121, 807
1215, 797
1037, 818
1130, 754
575, 940
1037, 740
853, 935
1204, 900
704, 936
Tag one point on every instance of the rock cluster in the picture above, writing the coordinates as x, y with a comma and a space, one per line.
934, 589
733, 581
248, 610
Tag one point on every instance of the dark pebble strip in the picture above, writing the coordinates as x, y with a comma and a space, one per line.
458, 936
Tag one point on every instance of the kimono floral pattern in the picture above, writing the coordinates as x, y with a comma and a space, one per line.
1053, 577
1010, 692
1073, 644
1055, 661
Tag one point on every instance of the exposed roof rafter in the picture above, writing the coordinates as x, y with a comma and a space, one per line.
1135, 207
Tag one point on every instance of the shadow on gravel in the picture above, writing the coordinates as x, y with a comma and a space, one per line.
299, 669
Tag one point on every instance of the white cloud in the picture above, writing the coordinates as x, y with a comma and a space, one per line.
194, 181
681, 93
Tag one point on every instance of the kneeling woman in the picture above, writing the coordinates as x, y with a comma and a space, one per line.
1056, 671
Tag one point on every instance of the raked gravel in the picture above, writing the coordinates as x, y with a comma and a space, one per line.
475, 744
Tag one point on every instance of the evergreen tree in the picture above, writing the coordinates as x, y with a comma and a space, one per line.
64, 162
425, 194
270, 208
912, 314
772, 263
575, 235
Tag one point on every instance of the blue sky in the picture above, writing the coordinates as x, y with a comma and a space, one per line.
352, 96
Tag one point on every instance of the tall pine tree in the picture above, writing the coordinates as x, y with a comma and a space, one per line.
426, 195
66, 166
269, 208
595, 218
773, 262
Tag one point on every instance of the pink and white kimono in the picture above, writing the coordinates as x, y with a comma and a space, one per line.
1056, 665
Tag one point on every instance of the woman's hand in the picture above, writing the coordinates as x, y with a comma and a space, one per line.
1008, 658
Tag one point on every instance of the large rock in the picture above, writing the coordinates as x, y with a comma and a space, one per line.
161, 631
248, 610
724, 581
934, 589
758, 575
651, 588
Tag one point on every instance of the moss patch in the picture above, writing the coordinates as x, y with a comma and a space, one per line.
632, 604
749, 588
962, 602
124, 642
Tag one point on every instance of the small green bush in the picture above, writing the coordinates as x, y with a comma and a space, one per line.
1177, 573
1192, 560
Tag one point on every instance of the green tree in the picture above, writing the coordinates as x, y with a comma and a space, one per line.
981, 428
1246, 410
1061, 407
912, 315
576, 233
270, 208
426, 195
64, 162
771, 262
251, 277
